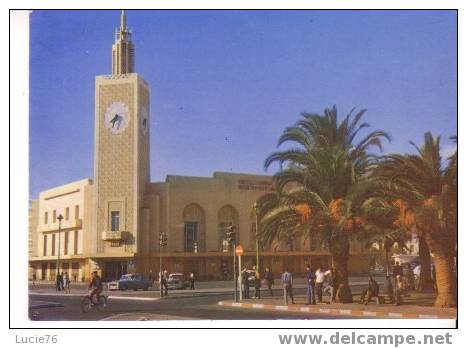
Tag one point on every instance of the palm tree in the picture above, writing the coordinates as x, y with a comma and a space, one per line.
322, 185
427, 196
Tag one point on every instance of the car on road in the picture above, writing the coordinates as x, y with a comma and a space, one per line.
133, 281
177, 281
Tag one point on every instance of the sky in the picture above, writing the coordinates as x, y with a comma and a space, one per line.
225, 84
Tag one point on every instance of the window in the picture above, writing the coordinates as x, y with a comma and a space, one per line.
46, 218
191, 235
53, 245
45, 245
75, 243
54, 217
115, 221
65, 247
67, 213
76, 211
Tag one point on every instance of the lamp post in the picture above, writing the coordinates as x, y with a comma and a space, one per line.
255, 207
59, 218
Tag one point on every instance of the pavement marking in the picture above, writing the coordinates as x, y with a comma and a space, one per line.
237, 304
371, 314
55, 294
324, 310
133, 298
258, 305
304, 309
345, 311
395, 315
44, 304
282, 308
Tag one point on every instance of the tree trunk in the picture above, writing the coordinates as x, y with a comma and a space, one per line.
340, 263
444, 281
425, 281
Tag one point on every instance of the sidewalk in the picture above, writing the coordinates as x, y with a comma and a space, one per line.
419, 306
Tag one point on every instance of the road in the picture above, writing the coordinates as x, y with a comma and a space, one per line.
179, 305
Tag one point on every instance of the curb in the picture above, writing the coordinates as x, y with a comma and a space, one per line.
334, 311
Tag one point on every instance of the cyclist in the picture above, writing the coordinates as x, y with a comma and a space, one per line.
95, 286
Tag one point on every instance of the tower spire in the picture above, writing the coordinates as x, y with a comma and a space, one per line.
123, 50
122, 21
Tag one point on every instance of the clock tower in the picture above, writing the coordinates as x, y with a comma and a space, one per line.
121, 157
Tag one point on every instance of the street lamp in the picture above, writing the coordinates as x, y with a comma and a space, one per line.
255, 207
59, 218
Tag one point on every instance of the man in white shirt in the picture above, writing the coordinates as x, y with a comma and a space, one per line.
320, 276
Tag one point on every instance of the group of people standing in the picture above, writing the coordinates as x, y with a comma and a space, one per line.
314, 284
62, 282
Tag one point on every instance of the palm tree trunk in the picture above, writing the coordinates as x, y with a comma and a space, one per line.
444, 281
340, 264
425, 282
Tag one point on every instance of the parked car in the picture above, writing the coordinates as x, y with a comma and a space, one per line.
133, 281
177, 281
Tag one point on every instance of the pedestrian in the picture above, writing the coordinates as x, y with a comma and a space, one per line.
333, 282
151, 277
66, 282
269, 279
34, 279
164, 285
319, 283
192, 281
75, 276
310, 285
371, 290
257, 283
397, 271
245, 286
287, 282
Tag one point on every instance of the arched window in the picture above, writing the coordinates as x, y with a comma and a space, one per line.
226, 217
194, 230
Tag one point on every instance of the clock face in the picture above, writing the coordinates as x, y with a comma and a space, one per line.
144, 119
117, 117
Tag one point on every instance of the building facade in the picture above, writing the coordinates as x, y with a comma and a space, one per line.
112, 223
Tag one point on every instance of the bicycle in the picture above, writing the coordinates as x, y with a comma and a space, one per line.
87, 304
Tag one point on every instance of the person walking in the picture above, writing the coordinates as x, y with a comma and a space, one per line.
287, 282
192, 281
151, 277
319, 283
34, 279
257, 283
269, 279
66, 282
397, 272
410, 279
310, 285
245, 286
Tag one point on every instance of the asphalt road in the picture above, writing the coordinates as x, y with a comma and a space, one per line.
177, 306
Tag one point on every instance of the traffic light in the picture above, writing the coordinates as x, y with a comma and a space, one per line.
163, 239
230, 235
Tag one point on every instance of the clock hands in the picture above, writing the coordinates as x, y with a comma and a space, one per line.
114, 120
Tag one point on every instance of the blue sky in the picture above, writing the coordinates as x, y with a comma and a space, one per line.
224, 84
